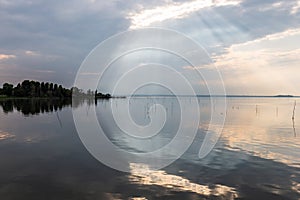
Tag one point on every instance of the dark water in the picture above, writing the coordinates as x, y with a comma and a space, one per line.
257, 156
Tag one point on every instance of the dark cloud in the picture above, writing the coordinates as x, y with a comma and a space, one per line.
61, 32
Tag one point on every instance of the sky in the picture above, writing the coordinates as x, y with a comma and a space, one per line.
254, 44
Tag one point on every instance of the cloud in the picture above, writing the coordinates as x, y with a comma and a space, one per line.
272, 37
266, 65
296, 8
54, 36
173, 10
273, 50
6, 56
31, 53
44, 36
45, 71
90, 74
269, 51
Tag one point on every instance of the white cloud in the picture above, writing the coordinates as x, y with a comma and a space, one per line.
6, 56
296, 7
268, 65
268, 38
262, 52
173, 11
90, 74
277, 5
31, 53
45, 71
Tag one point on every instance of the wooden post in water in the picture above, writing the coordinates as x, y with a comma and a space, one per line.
293, 118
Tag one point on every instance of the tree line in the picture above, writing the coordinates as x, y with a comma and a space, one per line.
35, 89
46, 90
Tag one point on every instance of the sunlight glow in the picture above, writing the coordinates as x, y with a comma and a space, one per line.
257, 123
6, 56
258, 60
251, 64
173, 11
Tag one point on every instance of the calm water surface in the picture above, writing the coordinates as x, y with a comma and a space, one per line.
257, 156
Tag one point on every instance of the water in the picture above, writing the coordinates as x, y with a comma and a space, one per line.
256, 157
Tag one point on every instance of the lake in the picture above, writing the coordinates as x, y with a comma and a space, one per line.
256, 157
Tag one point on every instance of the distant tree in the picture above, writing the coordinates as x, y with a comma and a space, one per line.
26, 87
47, 89
18, 92
43, 90
32, 92
36, 89
90, 92
75, 91
51, 87
55, 91
7, 89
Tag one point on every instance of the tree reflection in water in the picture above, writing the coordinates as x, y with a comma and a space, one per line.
35, 106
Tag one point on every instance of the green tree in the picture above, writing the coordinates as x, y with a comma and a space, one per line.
26, 88
7, 89
18, 92
37, 89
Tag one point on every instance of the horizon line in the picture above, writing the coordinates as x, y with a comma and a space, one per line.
216, 95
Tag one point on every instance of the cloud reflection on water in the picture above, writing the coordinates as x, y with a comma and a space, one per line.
143, 175
264, 129
5, 135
